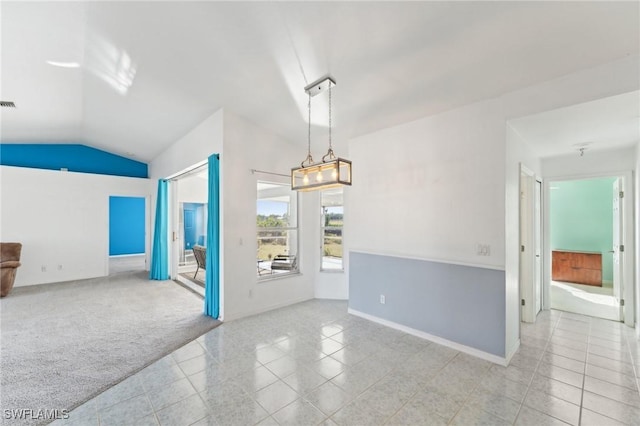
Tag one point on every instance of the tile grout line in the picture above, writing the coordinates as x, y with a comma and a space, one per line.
525, 364
535, 371
468, 398
595, 392
387, 374
636, 373
584, 374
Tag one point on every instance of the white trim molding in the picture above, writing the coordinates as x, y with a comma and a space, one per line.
512, 351
408, 256
244, 314
435, 339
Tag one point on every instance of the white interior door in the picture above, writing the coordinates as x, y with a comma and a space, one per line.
527, 247
537, 233
618, 254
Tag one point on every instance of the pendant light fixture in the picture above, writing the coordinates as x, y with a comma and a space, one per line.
332, 171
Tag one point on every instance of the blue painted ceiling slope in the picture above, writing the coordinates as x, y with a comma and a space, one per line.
73, 157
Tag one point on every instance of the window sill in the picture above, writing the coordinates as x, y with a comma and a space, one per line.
275, 277
332, 271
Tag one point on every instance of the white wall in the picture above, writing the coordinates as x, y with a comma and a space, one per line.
332, 285
62, 221
518, 152
602, 81
193, 189
243, 146
592, 163
195, 147
637, 224
431, 189
247, 147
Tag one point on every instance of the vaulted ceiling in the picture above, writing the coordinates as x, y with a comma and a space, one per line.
140, 75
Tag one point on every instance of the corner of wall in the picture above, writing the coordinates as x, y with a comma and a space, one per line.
636, 172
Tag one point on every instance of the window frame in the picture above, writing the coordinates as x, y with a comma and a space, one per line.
323, 228
269, 274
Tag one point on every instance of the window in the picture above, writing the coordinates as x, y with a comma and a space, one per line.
277, 229
331, 223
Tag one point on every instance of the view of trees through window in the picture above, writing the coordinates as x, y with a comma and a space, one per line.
332, 223
277, 231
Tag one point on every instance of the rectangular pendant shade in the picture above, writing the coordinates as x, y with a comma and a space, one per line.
330, 174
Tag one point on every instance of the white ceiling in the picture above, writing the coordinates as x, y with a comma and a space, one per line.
150, 71
608, 123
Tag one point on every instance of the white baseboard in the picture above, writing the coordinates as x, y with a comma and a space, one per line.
512, 351
244, 314
436, 339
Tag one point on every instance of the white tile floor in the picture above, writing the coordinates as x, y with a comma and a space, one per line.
589, 300
312, 363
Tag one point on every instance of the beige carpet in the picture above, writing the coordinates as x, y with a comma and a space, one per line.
62, 344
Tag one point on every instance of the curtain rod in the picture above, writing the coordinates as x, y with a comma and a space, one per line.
187, 171
254, 171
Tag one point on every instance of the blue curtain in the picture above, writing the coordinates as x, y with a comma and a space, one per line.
212, 277
160, 253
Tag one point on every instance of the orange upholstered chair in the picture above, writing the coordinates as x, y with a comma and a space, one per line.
9, 262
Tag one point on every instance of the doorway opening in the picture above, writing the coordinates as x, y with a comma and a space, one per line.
586, 234
189, 193
127, 234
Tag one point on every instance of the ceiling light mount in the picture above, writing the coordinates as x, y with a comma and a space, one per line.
332, 171
319, 86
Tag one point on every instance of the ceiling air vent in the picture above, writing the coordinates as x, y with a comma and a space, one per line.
7, 104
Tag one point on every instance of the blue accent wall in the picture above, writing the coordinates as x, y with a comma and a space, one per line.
194, 225
462, 304
126, 225
73, 157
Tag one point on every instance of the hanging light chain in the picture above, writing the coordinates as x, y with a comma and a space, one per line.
330, 147
309, 133
309, 159
330, 155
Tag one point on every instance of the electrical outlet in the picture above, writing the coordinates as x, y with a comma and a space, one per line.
483, 249
59, 267
43, 268
383, 299
250, 292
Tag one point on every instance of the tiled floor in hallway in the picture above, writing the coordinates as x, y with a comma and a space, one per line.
312, 363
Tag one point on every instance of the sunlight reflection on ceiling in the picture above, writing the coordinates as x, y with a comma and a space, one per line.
109, 63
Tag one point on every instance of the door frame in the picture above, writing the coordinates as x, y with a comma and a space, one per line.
537, 244
527, 259
628, 235
174, 215
148, 220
